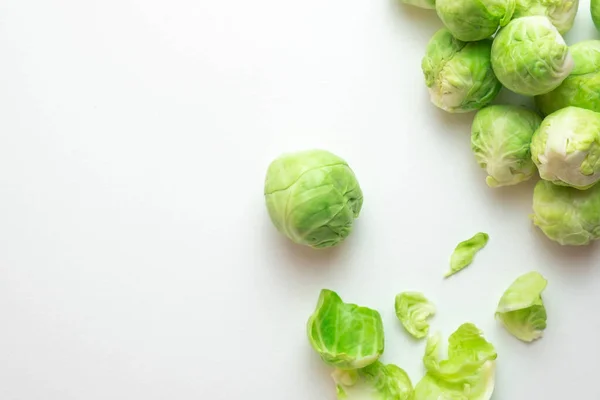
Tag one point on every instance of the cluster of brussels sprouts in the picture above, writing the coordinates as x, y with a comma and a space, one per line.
518, 44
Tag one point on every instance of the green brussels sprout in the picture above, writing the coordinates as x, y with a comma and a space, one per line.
426, 4
345, 335
566, 215
500, 139
582, 86
530, 57
560, 12
472, 20
566, 147
595, 10
312, 197
458, 74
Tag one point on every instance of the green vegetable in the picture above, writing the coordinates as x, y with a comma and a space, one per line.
467, 374
566, 147
413, 311
459, 75
465, 251
346, 336
312, 197
471, 20
582, 86
501, 139
566, 215
521, 308
375, 382
560, 12
427, 4
530, 57
595, 10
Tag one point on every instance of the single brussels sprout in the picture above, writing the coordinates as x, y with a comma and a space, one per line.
467, 374
560, 12
582, 86
472, 20
312, 197
521, 309
374, 382
465, 252
500, 139
346, 336
566, 147
413, 310
426, 4
458, 74
595, 9
530, 57
568, 216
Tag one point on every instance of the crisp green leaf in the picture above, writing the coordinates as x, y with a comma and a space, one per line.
345, 335
468, 372
465, 251
413, 310
375, 382
521, 309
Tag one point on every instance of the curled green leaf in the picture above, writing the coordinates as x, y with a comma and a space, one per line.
467, 374
521, 309
345, 335
413, 310
374, 382
465, 251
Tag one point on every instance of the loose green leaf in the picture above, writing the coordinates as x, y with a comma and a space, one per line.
521, 309
467, 374
375, 382
346, 336
465, 251
413, 311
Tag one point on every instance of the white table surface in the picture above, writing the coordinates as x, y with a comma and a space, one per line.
137, 260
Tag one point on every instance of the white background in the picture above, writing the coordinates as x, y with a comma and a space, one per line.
137, 260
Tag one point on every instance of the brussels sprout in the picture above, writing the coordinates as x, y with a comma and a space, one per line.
465, 251
582, 86
375, 382
500, 139
312, 197
566, 147
458, 74
413, 310
560, 12
471, 20
595, 9
467, 374
521, 309
530, 57
566, 215
426, 4
346, 336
